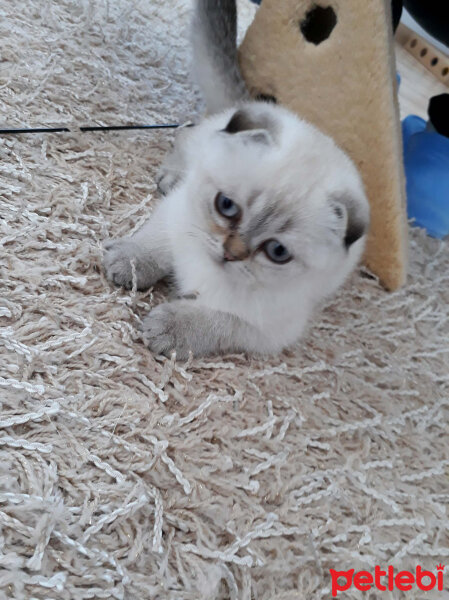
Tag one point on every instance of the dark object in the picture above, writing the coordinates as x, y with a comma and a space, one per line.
438, 112
432, 15
318, 24
266, 98
84, 129
396, 11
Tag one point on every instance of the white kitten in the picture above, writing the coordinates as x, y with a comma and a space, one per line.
265, 217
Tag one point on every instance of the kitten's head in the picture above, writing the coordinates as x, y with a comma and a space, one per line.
275, 199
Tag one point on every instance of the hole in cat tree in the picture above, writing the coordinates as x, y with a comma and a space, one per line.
266, 98
318, 24
413, 43
423, 52
445, 71
434, 61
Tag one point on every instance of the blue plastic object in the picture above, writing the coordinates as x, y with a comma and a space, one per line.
426, 160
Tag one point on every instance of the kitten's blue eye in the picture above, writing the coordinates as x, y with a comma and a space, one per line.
226, 207
276, 252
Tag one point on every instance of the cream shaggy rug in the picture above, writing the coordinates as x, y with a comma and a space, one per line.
124, 475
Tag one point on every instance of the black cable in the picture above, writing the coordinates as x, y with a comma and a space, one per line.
36, 130
87, 129
120, 127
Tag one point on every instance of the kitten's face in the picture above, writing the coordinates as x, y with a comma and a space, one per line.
271, 205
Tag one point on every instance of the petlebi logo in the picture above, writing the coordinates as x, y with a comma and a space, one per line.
387, 579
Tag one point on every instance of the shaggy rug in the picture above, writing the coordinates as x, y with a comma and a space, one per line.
130, 476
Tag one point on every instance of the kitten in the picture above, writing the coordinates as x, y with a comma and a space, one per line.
264, 217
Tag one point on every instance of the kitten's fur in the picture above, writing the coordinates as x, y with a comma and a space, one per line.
291, 183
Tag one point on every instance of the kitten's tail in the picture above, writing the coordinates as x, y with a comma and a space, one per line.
215, 64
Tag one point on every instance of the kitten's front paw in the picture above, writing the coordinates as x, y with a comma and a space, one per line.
167, 179
118, 258
174, 165
165, 331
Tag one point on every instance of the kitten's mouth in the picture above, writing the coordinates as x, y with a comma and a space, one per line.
222, 260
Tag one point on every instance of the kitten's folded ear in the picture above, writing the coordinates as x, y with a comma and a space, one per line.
352, 215
251, 126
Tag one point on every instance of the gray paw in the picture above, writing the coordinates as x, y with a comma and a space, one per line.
175, 163
118, 266
165, 330
167, 179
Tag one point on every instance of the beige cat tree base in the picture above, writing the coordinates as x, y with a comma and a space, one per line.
332, 62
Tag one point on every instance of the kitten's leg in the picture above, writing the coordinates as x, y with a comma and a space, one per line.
148, 249
184, 325
175, 163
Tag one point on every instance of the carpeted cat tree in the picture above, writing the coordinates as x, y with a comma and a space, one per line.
332, 62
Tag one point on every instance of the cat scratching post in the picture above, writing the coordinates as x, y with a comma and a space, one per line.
332, 62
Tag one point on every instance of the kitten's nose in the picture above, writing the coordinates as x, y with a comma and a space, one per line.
234, 248
228, 256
